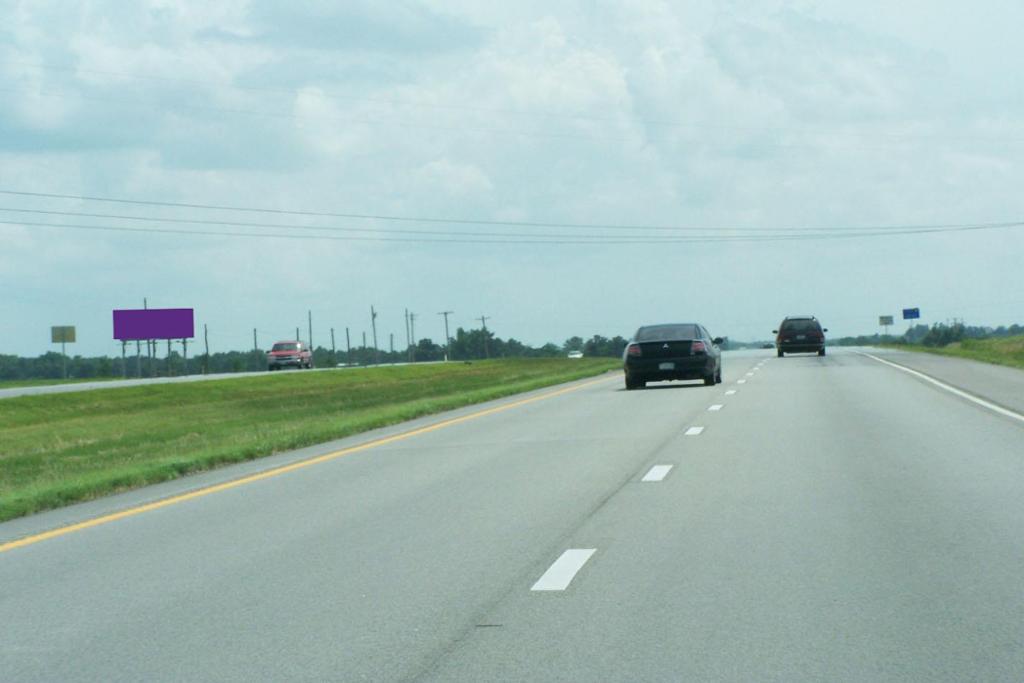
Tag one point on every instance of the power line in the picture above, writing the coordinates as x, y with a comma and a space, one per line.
503, 223
532, 239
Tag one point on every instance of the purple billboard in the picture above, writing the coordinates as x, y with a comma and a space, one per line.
153, 323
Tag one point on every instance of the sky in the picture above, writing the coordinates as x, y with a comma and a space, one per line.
570, 168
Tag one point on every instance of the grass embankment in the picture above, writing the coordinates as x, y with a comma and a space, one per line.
1001, 351
64, 448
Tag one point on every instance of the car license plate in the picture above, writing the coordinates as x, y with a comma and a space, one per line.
801, 336
666, 366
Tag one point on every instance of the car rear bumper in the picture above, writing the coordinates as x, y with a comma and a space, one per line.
812, 347
654, 369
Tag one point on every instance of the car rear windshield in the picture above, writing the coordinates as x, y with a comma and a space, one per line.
286, 347
801, 325
666, 333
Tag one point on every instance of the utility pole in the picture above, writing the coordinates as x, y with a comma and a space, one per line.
373, 323
392, 334
483, 321
334, 351
408, 339
447, 338
311, 331
297, 337
255, 345
412, 333
348, 348
206, 342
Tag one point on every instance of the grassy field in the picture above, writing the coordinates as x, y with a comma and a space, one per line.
1001, 351
64, 448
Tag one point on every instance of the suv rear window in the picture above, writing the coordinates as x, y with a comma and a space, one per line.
666, 333
801, 325
285, 347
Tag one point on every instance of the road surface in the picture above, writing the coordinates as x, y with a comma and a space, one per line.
811, 518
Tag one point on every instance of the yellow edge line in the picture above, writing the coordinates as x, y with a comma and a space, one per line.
284, 469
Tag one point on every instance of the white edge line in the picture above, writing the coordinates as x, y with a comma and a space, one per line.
951, 389
694, 431
657, 473
560, 574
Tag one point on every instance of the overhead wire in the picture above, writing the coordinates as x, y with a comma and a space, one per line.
488, 222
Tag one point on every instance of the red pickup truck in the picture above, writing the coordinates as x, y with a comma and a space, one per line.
289, 353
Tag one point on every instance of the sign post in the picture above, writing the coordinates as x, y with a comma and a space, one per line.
911, 314
63, 334
884, 321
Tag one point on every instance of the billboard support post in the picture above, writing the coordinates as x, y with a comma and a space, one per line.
124, 361
63, 335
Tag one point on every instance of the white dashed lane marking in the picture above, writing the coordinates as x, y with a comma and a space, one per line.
694, 431
715, 408
730, 392
560, 574
657, 473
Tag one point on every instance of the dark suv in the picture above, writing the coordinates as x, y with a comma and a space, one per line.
800, 334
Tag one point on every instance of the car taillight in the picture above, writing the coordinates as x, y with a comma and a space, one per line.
634, 350
698, 347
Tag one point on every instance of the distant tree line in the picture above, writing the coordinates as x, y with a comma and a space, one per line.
938, 335
474, 344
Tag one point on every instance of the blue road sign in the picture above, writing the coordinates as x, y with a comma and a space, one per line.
911, 313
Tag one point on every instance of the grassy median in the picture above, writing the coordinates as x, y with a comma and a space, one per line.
65, 448
998, 350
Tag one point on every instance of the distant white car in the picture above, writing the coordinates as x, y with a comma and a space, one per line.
575, 354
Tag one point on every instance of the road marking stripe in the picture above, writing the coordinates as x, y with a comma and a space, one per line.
730, 392
715, 408
267, 474
657, 473
750, 374
564, 570
741, 381
1005, 412
694, 431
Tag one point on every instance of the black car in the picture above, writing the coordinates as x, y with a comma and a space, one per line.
800, 334
672, 351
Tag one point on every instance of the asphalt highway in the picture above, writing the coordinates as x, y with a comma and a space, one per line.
811, 518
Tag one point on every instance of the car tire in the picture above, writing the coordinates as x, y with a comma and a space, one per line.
780, 353
821, 352
718, 376
709, 380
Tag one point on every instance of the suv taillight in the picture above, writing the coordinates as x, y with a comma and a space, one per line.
698, 347
634, 350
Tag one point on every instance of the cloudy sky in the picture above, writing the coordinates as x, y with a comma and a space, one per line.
569, 168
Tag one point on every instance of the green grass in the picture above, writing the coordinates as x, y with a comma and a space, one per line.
1000, 351
16, 383
65, 448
